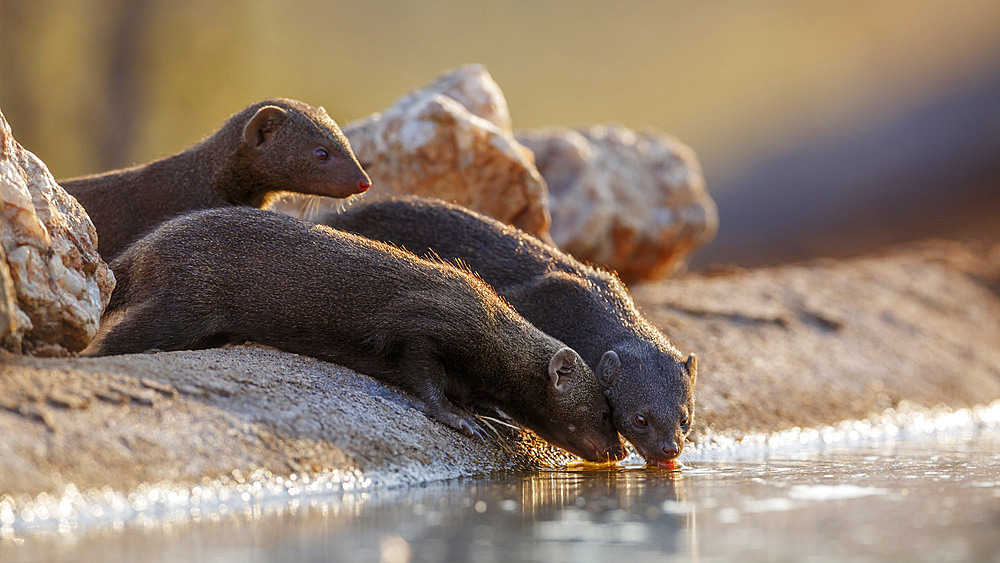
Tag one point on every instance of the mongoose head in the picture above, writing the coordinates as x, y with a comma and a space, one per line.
652, 399
288, 145
575, 415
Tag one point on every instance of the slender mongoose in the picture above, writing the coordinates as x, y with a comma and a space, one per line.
272, 145
650, 385
239, 273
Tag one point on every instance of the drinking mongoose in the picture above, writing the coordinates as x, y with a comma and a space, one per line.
239, 273
273, 145
649, 383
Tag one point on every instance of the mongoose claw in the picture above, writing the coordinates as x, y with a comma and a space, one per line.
471, 429
462, 423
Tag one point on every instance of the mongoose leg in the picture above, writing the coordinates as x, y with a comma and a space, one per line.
129, 335
152, 326
429, 377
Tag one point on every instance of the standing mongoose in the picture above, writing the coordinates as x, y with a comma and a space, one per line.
650, 385
273, 145
239, 273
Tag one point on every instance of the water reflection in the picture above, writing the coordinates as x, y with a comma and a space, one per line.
596, 515
934, 498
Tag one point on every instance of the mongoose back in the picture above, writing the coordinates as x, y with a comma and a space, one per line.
239, 273
272, 145
650, 385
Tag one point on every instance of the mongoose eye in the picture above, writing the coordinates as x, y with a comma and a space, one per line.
640, 420
685, 421
321, 154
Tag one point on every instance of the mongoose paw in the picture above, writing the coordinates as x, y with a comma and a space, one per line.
463, 423
472, 430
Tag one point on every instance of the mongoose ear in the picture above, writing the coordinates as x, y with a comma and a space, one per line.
562, 368
262, 125
692, 366
609, 369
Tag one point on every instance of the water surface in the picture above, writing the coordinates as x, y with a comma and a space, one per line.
878, 495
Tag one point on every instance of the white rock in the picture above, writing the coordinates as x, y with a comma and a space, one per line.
451, 140
60, 285
634, 202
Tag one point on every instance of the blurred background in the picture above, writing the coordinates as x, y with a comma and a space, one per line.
824, 128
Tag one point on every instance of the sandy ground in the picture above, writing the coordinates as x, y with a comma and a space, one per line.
798, 345
818, 342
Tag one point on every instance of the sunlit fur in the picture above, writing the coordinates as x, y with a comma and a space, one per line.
587, 308
223, 169
238, 273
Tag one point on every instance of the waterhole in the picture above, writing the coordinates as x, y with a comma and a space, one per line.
905, 485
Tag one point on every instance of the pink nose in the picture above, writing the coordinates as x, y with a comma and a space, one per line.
364, 184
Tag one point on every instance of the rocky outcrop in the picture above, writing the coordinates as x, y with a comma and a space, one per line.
9, 320
50, 249
470, 85
451, 140
179, 416
634, 202
809, 344
777, 348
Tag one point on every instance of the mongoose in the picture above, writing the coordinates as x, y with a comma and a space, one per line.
239, 273
273, 145
649, 383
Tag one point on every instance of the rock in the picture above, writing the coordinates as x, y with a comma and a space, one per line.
180, 416
50, 252
450, 140
9, 320
634, 202
796, 346
473, 87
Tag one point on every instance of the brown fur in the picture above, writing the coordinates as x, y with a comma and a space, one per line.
268, 146
650, 385
235, 274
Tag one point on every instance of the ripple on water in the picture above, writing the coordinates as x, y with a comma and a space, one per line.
832, 492
261, 493
253, 494
906, 422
